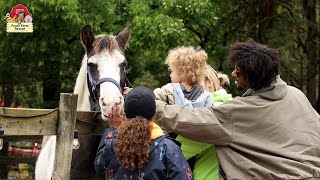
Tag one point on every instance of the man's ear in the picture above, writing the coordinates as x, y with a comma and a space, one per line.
87, 38
123, 37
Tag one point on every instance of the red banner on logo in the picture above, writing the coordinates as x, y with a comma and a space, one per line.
18, 9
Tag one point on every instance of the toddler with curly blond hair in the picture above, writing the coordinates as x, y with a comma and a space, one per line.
187, 67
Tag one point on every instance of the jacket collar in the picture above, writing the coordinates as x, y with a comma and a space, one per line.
276, 91
156, 131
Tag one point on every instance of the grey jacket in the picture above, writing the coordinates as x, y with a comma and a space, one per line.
273, 133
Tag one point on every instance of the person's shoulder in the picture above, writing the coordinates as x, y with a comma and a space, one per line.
166, 87
109, 130
170, 142
295, 91
109, 133
169, 85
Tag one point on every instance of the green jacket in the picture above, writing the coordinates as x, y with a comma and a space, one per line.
220, 96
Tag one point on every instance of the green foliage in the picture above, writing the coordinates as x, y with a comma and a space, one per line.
51, 55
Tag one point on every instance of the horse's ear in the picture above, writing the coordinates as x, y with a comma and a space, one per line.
123, 37
87, 37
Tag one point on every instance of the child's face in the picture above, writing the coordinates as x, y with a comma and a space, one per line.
175, 77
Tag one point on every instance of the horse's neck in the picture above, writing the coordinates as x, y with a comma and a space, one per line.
81, 87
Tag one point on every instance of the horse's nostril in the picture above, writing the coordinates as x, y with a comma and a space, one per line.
120, 101
103, 103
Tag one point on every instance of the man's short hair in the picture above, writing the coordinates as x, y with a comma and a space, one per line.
258, 63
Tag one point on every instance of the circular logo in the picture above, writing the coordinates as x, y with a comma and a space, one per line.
28, 18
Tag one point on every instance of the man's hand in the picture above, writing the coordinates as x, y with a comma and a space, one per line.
116, 116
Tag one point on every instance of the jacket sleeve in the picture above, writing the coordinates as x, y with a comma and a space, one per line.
177, 166
105, 151
165, 93
212, 125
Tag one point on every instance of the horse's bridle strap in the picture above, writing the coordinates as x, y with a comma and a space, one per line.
107, 79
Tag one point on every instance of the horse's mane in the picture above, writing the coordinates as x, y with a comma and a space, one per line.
104, 42
81, 87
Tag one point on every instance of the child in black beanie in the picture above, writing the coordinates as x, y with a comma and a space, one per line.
134, 147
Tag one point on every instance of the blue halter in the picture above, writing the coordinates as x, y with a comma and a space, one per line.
92, 84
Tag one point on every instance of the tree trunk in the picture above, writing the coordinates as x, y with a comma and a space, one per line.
267, 9
262, 18
7, 93
309, 7
252, 19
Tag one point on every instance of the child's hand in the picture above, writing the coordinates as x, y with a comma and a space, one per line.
126, 90
116, 116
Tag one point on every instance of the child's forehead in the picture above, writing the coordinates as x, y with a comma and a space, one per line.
172, 67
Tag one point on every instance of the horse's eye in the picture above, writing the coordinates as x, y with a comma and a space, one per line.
124, 64
90, 64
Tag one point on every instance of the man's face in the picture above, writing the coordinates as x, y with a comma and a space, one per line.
240, 81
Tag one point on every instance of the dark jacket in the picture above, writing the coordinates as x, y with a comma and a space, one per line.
165, 161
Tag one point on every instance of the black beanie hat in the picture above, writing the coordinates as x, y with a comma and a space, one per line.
140, 101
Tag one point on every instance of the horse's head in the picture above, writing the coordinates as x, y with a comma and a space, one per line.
105, 68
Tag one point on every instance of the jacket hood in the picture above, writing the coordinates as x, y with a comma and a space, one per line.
276, 91
156, 131
203, 100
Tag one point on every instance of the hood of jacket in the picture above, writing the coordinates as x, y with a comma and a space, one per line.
156, 131
276, 91
203, 100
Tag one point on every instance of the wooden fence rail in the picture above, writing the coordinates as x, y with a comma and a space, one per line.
61, 121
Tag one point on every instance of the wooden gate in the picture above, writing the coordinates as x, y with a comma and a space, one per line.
61, 121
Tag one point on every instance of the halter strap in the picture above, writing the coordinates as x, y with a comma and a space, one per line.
127, 82
92, 84
107, 79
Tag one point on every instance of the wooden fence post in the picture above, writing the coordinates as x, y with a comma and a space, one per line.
65, 132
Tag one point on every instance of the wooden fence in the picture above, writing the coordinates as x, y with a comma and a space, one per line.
61, 121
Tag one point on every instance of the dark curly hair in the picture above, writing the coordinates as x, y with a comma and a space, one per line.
258, 63
133, 143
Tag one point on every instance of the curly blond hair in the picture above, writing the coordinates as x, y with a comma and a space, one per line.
217, 79
133, 143
188, 62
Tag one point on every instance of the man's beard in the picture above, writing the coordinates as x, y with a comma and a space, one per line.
239, 87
